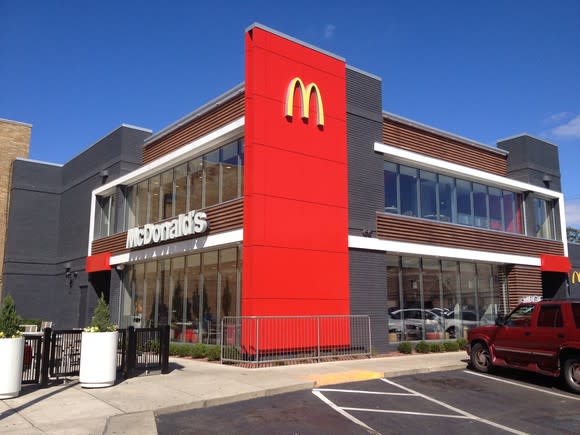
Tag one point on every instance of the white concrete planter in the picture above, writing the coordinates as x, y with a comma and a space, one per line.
98, 359
11, 359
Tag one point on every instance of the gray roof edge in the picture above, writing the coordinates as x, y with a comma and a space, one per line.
358, 70
454, 136
11, 121
136, 127
228, 95
515, 136
291, 38
39, 162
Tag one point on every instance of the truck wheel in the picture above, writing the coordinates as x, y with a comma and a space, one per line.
480, 358
572, 373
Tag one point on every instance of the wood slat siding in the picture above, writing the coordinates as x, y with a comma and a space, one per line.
222, 217
415, 230
198, 127
523, 281
441, 147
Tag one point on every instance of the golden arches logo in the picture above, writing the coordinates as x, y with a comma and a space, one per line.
305, 94
575, 277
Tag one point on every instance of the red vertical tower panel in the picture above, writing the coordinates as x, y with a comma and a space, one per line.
295, 184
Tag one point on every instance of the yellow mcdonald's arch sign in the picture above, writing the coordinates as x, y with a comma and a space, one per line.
575, 277
305, 93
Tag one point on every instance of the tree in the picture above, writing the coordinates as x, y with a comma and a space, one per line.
101, 321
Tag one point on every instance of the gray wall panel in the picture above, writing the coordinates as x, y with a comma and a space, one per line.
368, 292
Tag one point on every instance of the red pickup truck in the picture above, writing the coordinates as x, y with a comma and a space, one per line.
541, 337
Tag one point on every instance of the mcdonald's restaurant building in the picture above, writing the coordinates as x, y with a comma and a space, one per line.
296, 194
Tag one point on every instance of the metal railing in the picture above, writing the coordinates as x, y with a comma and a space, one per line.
260, 340
56, 354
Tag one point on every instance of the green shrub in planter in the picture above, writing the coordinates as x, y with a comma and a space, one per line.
451, 346
422, 347
405, 347
9, 320
462, 343
436, 347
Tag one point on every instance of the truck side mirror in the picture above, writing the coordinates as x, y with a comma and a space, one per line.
500, 320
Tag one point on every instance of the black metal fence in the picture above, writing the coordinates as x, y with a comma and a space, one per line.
57, 353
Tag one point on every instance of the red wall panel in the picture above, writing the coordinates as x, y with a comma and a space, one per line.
295, 184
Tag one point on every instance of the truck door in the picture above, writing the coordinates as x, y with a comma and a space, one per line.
545, 340
511, 340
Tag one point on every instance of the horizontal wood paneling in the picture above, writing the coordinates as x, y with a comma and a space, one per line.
198, 127
222, 217
438, 146
415, 230
523, 281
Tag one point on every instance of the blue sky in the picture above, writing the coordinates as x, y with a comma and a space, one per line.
485, 70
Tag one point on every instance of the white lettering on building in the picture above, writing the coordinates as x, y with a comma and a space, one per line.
186, 224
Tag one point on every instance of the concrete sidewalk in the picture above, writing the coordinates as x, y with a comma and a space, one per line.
130, 406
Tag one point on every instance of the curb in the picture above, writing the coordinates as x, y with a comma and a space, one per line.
410, 372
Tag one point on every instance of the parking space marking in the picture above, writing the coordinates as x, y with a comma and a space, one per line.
343, 413
529, 387
423, 414
453, 408
363, 392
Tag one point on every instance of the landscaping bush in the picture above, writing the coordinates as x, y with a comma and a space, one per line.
462, 343
422, 347
213, 353
405, 347
197, 350
9, 320
436, 347
451, 346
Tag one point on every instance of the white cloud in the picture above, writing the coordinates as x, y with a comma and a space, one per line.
573, 213
329, 31
570, 129
557, 117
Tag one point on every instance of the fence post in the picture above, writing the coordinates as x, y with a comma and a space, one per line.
318, 336
44, 365
130, 359
164, 348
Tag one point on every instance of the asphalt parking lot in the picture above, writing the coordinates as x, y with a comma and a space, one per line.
455, 402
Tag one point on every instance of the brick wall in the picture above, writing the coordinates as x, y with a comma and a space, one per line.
14, 142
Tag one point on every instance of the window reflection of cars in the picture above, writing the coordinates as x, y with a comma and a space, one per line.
454, 322
413, 319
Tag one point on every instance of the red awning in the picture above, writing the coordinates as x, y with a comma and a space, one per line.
555, 263
98, 262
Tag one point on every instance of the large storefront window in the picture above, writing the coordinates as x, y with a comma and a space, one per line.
544, 227
215, 177
432, 299
416, 192
191, 294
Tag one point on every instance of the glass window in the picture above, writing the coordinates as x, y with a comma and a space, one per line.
428, 194
396, 332
495, 206
464, 210
521, 316
543, 222
104, 216
177, 298
446, 199
576, 313
154, 200
210, 320
229, 281
480, 213
550, 316
196, 184
411, 283
137, 286
509, 211
408, 191
193, 296
450, 285
211, 170
432, 299
142, 203
390, 179
487, 302
149, 295
180, 203
468, 280
164, 291
167, 194
229, 168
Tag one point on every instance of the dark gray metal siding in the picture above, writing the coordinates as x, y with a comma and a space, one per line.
49, 216
368, 290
